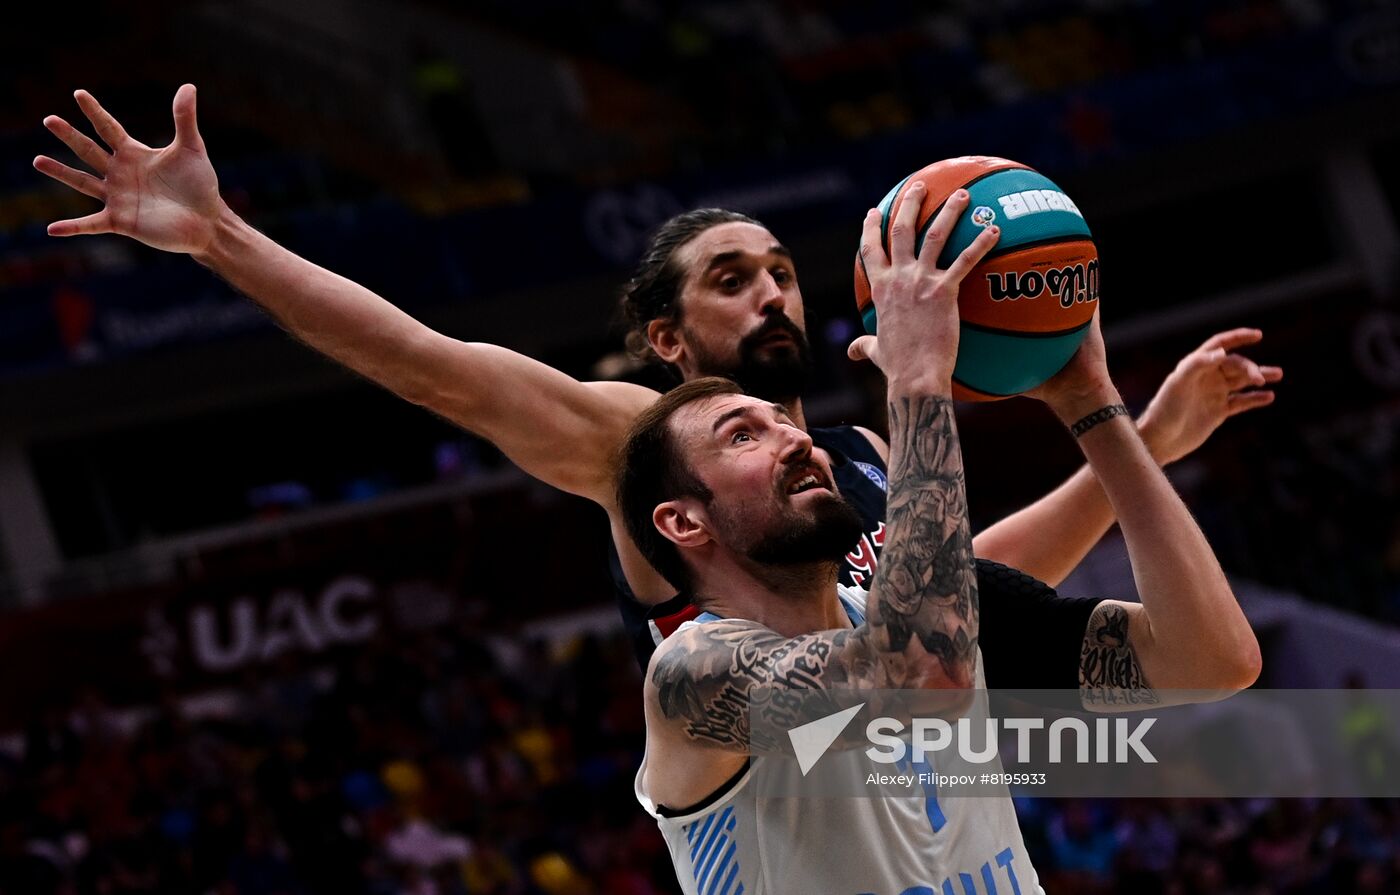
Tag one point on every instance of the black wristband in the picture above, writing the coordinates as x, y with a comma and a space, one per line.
1103, 414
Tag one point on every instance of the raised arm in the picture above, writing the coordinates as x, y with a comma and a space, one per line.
1049, 538
168, 198
1188, 633
922, 613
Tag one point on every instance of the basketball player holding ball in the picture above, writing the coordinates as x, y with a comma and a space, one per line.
715, 293
725, 493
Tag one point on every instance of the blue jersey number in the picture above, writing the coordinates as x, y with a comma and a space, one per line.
925, 772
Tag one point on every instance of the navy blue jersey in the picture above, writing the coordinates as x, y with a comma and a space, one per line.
1030, 636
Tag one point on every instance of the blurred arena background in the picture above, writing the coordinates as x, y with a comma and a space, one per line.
266, 629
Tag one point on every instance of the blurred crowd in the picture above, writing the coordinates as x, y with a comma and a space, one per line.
448, 766
743, 76
437, 767
1223, 847
1314, 510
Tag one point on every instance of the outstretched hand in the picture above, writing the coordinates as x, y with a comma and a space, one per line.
1208, 386
167, 198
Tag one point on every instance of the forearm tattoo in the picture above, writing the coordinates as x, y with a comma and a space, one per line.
922, 615
1109, 671
925, 588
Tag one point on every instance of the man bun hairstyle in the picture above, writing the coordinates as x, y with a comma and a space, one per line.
652, 471
655, 288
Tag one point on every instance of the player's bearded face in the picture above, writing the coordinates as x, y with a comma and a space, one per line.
778, 528
772, 361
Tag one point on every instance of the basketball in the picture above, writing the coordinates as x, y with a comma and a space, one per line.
1026, 306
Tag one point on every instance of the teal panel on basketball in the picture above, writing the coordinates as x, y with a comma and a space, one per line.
1028, 207
867, 318
1004, 364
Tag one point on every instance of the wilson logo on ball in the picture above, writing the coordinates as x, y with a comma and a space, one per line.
1073, 285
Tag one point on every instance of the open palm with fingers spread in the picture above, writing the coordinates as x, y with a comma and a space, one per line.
167, 198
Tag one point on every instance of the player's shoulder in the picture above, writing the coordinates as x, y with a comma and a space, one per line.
709, 633
876, 442
626, 395
854, 442
701, 649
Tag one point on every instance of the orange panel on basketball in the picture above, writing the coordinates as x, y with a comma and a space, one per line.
963, 392
1040, 289
941, 179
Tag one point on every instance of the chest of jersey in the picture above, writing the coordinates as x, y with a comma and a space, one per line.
760, 839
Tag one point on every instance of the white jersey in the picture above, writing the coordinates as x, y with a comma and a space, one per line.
744, 843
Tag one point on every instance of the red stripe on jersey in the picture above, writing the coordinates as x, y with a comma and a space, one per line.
666, 625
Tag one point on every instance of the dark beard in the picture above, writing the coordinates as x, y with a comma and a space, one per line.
780, 375
825, 537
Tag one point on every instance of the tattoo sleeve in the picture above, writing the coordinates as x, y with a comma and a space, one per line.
1110, 675
923, 610
921, 617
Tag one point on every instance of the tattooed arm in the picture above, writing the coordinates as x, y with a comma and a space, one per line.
921, 619
923, 613
1110, 676
1187, 641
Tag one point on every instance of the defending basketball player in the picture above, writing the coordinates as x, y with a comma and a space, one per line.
714, 295
724, 493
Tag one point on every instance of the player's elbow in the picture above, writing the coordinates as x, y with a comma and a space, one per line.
1217, 653
419, 393
1229, 668
1245, 665
962, 675
945, 662
1237, 660
408, 368
958, 673
948, 687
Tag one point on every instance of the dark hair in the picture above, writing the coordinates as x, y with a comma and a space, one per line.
655, 287
651, 472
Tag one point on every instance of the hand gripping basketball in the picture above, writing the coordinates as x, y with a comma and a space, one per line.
1027, 304
917, 302
1083, 385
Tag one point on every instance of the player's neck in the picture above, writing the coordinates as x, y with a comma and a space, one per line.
791, 600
